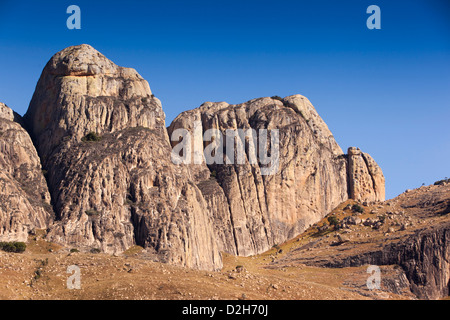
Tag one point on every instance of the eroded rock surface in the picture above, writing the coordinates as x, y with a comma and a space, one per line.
102, 139
365, 178
123, 189
260, 210
24, 198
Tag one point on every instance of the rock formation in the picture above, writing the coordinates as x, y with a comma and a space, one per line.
251, 211
108, 157
121, 188
24, 198
366, 180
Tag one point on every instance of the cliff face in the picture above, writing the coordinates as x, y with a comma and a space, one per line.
252, 211
124, 189
24, 198
114, 182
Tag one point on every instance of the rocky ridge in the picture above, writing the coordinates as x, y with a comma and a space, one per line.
101, 137
409, 232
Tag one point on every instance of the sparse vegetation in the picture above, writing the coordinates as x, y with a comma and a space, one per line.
277, 98
95, 250
213, 175
441, 182
74, 250
91, 137
357, 208
16, 247
333, 221
92, 213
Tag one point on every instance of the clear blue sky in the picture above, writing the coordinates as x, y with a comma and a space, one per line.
386, 91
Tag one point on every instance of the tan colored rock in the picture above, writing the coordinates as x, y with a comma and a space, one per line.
126, 189
122, 190
264, 210
81, 91
366, 180
24, 198
6, 112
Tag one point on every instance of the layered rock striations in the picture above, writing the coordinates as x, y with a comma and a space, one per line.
24, 198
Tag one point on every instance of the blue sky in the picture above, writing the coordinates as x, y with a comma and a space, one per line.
386, 91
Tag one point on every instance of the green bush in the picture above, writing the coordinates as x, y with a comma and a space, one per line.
277, 98
92, 212
441, 182
357, 208
91, 137
16, 247
333, 221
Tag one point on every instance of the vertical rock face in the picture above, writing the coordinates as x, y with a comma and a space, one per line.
121, 188
252, 211
366, 180
101, 137
24, 198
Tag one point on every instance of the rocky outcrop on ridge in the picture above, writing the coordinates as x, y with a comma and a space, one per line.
365, 178
410, 233
24, 198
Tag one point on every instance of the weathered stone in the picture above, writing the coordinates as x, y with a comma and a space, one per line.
24, 198
366, 180
123, 189
263, 210
253, 211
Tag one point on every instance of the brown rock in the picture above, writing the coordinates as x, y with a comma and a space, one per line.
122, 189
366, 180
252, 211
24, 198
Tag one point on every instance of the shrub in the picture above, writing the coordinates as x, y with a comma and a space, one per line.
95, 250
74, 250
91, 137
16, 247
441, 182
92, 212
333, 221
213, 175
277, 98
357, 208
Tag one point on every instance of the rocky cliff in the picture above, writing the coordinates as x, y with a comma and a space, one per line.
253, 211
411, 233
24, 198
101, 137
